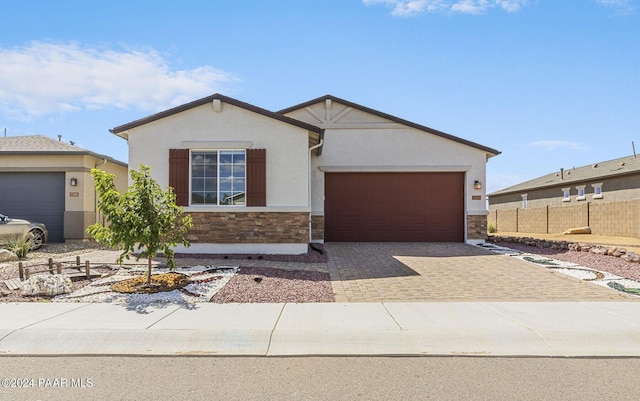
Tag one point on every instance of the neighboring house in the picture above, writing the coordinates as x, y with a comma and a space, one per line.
49, 181
325, 170
604, 196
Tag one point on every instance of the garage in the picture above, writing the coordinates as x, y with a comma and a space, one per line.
35, 196
394, 207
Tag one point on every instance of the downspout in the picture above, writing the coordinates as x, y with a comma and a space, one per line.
311, 149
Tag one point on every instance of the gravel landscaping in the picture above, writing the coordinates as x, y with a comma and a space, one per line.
606, 263
235, 284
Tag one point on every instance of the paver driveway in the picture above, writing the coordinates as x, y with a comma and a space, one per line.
379, 272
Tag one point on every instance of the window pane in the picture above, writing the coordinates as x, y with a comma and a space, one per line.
238, 185
211, 158
210, 171
226, 157
238, 157
197, 171
226, 198
211, 184
238, 171
197, 184
238, 198
197, 198
211, 198
225, 184
197, 158
225, 171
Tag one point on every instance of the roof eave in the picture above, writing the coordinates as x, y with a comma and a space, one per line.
166, 113
490, 151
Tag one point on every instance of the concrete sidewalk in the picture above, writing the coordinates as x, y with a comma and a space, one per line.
562, 329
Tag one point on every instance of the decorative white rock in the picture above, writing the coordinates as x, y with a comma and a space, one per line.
47, 285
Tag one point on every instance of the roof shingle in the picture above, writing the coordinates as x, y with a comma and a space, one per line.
591, 172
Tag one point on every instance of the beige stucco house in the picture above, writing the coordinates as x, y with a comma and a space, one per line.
325, 170
49, 181
604, 196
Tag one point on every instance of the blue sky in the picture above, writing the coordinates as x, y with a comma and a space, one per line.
550, 83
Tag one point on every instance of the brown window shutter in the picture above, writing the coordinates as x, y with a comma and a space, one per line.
256, 177
179, 175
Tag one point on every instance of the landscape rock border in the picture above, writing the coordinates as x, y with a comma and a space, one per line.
614, 251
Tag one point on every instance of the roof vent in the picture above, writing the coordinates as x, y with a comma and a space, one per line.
595, 165
623, 164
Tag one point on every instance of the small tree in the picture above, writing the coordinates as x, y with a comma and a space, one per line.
146, 217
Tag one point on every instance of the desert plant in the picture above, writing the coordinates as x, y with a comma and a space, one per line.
492, 229
19, 244
145, 218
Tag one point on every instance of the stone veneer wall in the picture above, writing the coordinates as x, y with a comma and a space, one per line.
477, 227
249, 227
317, 228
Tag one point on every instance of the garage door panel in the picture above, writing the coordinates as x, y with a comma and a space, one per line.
394, 207
37, 197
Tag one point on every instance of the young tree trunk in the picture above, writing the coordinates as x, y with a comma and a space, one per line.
149, 271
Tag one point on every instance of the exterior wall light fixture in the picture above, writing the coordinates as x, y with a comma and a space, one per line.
73, 182
477, 184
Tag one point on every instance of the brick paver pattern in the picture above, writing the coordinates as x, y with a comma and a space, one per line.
448, 272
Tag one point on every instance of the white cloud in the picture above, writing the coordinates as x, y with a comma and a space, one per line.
407, 8
622, 6
44, 77
614, 3
552, 145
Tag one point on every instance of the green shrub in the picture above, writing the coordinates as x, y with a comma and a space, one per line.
492, 229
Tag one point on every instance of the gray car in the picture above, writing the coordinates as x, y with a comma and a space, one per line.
10, 228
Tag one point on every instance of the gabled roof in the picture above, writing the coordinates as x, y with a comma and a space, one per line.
122, 128
591, 173
490, 151
42, 145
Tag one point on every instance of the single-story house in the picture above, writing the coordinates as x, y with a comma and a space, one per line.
49, 181
604, 196
325, 170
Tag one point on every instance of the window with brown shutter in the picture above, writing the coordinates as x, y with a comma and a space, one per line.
256, 177
179, 175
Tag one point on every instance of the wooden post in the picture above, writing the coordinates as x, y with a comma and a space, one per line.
50, 266
21, 271
26, 273
78, 260
59, 268
87, 269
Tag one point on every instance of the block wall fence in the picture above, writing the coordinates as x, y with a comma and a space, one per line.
620, 219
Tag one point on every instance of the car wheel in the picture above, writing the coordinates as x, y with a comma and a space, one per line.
37, 238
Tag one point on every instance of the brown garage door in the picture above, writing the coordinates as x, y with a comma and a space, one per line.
394, 207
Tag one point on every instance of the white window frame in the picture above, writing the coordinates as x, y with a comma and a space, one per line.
582, 195
218, 178
597, 190
566, 194
524, 201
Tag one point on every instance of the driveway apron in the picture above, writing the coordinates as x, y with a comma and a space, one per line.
446, 272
